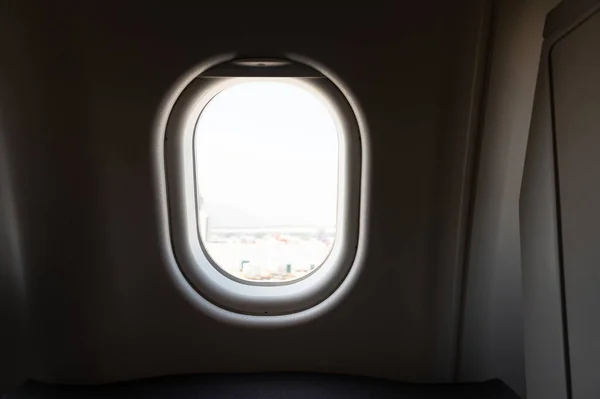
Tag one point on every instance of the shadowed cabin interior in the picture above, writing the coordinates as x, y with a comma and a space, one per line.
296, 201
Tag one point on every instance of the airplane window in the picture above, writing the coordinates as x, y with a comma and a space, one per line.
267, 165
263, 168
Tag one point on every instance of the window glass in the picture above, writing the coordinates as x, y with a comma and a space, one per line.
266, 159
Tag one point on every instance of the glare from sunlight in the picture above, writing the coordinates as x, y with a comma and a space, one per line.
266, 156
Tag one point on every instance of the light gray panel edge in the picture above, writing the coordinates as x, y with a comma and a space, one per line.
543, 325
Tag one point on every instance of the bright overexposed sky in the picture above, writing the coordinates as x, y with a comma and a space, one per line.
269, 149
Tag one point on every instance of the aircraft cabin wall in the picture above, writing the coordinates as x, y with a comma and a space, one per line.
91, 299
17, 94
559, 202
492, 335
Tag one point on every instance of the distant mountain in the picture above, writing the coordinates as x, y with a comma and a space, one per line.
227, 216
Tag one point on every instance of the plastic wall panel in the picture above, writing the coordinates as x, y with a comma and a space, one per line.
576, 82
100, 304
492, 336
546, 371
17, 90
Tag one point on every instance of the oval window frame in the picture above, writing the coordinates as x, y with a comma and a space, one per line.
177, 125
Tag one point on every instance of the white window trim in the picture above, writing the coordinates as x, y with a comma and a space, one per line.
203, 283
